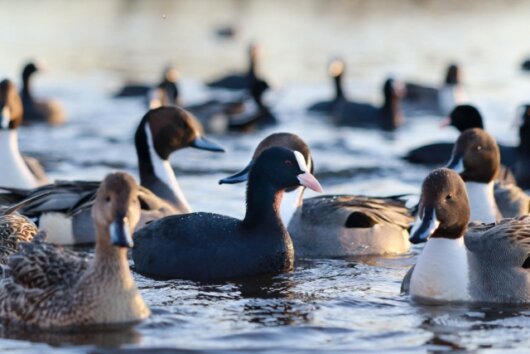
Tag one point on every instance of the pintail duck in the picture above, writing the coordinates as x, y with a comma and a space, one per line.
336, 225
336, 71
476, 157
64, 213
485, 263
49, 288
386, 117
421, 99
17, 171
39, 111
211, 247
462, 117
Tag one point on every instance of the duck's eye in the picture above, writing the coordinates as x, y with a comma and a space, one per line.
107, 198
288, 163
448, 197
479, 148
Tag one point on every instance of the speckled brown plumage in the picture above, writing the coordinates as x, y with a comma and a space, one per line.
52, 288
14, 228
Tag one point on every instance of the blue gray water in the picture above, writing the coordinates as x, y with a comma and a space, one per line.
325, 305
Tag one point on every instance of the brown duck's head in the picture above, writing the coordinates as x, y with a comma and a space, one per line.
117, 208
173, 128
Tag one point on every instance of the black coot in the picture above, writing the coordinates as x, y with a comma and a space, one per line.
210, 247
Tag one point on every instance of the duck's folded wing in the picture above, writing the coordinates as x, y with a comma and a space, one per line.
357, 211
511, 200
61, 196
509, 236
42, 265
153, 207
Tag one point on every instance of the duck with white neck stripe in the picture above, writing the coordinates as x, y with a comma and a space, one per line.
482, 264
476, 157
15, 171
336, 225
64, 212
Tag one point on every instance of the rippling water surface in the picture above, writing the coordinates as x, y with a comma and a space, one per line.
325, 304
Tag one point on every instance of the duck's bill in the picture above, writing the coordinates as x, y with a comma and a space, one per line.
424, 226
239, 177
456, 163
202, 143
308, 180
120, 233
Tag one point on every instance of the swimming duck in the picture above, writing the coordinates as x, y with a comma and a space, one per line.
387, 117
476, 158
336, 71
65, 210
435, 100
166, 93
15, 171
485, 263
44, 111
210, 247
461, 117
239, 81
257, 118
51, 289
336, 225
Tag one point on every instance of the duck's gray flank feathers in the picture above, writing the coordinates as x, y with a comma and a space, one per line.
500, 251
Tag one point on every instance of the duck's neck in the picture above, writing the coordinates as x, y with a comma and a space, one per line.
26, 85
108, 258
116, 299
339, 93
15, 173
156, 173
392, 117
482, 200
263, 203
291, 201
441, 272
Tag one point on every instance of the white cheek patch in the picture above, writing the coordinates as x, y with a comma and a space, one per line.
6, 118
301, 161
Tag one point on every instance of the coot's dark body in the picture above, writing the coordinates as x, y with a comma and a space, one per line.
208, 251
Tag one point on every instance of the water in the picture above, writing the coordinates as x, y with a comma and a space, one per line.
325, 305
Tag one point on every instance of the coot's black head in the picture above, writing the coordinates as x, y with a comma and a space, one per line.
286, 140
29, 69
172, 128
464, 117
336, 67
283, 168
11, 108
444, 207
453, 74
476, 156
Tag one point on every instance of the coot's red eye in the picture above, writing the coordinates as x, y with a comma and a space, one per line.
288, 163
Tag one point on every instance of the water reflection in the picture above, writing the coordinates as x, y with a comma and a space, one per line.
105, 338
